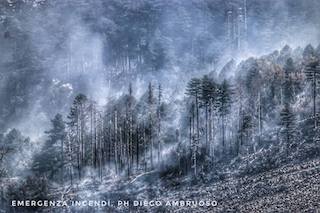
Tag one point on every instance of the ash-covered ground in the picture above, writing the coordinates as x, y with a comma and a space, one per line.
290, 188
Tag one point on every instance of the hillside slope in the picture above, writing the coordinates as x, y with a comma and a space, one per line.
291, 188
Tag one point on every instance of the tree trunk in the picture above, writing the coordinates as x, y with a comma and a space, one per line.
206, 129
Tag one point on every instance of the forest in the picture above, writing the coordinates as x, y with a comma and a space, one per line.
136, 99
219, 120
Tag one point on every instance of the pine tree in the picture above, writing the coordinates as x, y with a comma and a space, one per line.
150, 106
51, 158
288, 94
208, 100
246, 126
224, 107
288, 123
130, 132
159, 123
312, 72
194, 90
76, 133
288, 126
309, 53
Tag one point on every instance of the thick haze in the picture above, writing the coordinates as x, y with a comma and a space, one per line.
52, 50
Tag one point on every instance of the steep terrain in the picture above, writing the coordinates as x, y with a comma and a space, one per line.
290, 188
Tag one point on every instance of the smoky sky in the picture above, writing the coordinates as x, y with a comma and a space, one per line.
84, 27
77, 41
